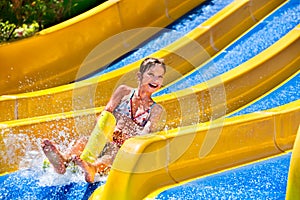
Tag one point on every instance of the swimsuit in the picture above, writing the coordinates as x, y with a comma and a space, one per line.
125, 108
129, 125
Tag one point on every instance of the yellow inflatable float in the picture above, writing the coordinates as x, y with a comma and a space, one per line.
101, 134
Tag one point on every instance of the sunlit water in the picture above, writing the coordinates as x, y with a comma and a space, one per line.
34, 181
38, 184
263, 180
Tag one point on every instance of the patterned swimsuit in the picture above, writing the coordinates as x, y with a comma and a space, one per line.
129, 125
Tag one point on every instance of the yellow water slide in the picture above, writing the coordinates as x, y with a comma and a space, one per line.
181, 57
282, 56
180, 154
53, 56
187, 152
187, 149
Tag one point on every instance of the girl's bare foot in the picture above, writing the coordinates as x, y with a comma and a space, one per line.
88, 168
54, 156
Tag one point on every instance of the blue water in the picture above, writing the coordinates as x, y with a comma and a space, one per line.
169, 34
26, 184
286, 93
262, 36
263, 180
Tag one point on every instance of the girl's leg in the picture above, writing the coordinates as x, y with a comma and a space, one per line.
55, 157
90, 169
103, 164
59, 159
77, 148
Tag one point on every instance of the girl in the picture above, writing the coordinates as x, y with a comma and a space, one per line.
135, 112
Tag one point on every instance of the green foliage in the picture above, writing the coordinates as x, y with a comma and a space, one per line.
23, 18
11, 32
6, 30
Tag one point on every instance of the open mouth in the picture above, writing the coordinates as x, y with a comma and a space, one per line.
153, 85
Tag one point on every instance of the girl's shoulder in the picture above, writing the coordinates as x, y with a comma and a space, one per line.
123, 91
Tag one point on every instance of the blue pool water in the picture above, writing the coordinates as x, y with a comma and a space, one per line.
32, 184
171, 33
263, 180
262, 36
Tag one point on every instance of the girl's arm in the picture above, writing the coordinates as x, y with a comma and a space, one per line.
116, 97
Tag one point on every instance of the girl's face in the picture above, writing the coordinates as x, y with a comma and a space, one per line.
152, 79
